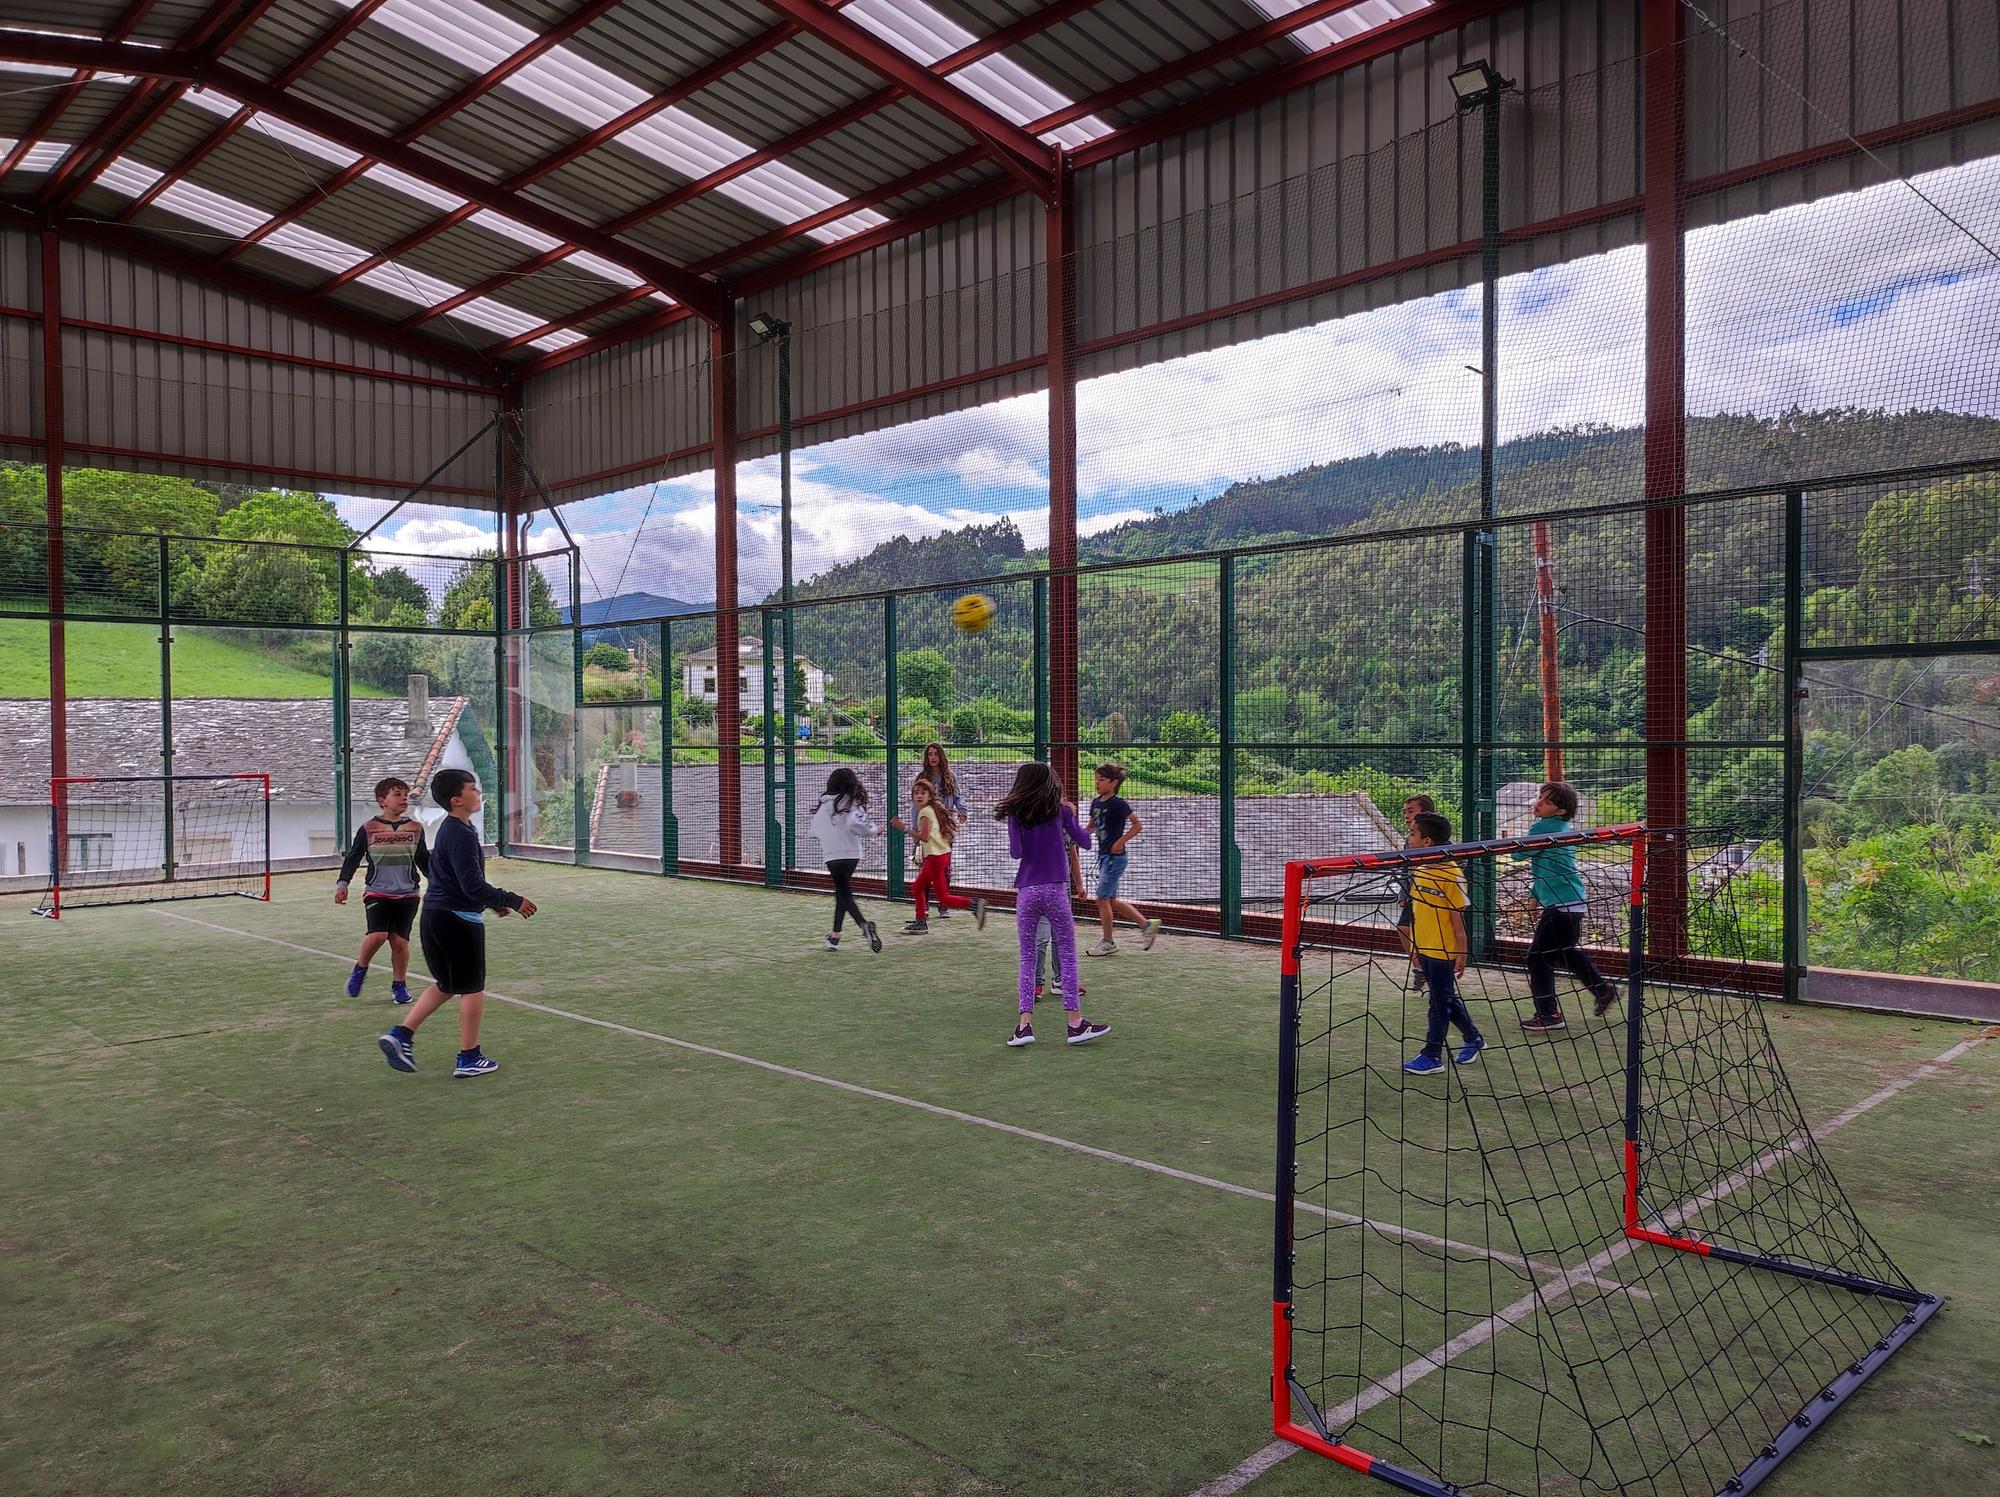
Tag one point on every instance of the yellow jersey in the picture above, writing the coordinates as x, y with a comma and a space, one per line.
930, 833
1437, 890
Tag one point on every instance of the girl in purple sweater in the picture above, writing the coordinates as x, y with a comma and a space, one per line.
1040, 827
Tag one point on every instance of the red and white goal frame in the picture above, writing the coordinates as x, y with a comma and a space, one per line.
138, 826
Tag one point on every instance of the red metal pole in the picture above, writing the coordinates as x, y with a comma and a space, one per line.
728, 705
52, 469
1545, 609
1664, 190
1060, 268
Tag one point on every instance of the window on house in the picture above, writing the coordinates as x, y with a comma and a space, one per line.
708, 685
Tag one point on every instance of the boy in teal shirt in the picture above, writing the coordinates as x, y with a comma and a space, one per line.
1560, 892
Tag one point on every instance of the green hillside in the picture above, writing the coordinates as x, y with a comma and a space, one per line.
121, 660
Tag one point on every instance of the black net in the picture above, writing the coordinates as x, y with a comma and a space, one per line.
120, 840
1485, 1288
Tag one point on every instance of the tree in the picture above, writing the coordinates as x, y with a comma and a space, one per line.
468, 600
106, 573
389, 660
1184, 732
924, 673
607, 657
283, 583
396, 588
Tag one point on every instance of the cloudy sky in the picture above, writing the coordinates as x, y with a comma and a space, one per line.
1873, 299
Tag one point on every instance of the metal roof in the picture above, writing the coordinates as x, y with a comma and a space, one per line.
543, 172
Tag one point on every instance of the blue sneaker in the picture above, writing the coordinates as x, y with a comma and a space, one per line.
472, 1063
397, 1050
354, 980
1468, 1053
1423, 1065
401, 993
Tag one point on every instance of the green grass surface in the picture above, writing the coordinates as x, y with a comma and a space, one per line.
239, 1254
123, 660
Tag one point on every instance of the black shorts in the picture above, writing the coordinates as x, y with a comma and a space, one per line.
455, 951
390, 917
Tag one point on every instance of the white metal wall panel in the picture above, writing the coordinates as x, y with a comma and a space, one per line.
606, 422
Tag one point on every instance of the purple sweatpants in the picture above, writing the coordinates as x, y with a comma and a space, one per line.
1032, 905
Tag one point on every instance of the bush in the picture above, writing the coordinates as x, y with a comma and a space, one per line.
608, 657
856, 740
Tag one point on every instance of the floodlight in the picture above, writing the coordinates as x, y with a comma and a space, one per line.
767, 327
1477, 82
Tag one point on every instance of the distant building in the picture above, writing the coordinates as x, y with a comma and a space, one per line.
698, 677
410, 738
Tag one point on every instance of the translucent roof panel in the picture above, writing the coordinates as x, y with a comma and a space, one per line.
39, 158
224, 217
1002, 85
1341, 25
576, 88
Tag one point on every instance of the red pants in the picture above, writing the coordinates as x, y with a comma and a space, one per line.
934, 878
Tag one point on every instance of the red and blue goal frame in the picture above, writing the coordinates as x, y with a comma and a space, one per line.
59, 809
1287, 1395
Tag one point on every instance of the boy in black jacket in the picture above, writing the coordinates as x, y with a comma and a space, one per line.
392, 845
452, 929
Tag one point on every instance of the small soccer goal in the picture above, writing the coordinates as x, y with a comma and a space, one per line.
136, 839
1602, 1257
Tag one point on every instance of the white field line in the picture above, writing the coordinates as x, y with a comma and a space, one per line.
1483, 1331
1390, 1229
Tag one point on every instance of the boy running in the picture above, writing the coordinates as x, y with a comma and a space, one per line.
393, 847
1113, 825
453, 930
1559, 890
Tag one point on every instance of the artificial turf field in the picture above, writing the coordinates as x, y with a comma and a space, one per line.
239, 1254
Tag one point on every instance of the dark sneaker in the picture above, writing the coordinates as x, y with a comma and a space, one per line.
916, 927
979, 913
1538, 1024
1468, 1053
1606, 997
354, 980
1025, 1035
943, 913
1083, 1034
474, 1064
400, 993
1423, 1065
874, 935
397, 1050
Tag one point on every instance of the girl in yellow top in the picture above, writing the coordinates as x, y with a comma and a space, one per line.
1437, 939
934, 832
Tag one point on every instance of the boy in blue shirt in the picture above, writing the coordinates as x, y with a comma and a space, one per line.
452, 929
1560, 892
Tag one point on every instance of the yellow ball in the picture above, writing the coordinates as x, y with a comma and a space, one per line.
972, 613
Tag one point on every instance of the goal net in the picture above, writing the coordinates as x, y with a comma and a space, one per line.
1605, 1257
133, 839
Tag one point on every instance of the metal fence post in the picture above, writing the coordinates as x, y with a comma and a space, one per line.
774, 841
892, 732
1232, 855
167, 859
670, 824
582, 795
503, 749
1792, 918
343, 763
1041, 667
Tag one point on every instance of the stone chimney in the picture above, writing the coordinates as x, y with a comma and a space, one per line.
418, 724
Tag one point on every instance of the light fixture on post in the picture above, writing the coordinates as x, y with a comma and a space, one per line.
1477, 83
770, 329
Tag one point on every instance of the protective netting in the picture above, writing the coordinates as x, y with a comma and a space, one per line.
1474, 1294
137, 840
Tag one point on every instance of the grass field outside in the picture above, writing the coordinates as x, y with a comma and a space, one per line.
123, 660
741, 1215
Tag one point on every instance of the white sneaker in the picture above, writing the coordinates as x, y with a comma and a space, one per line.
831, 943
1103, 948
1148, 934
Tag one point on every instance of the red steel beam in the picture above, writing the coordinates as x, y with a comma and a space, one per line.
402, 246
211, 36
295, 209
121, 28
52, 482
590, 313
930, 215
625, 332
1032, 161
471, 293
1059, 345
141, 246
304, 63
704, 296
728, 702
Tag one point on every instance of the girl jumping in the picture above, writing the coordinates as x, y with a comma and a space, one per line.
1040, 830
934, 833
839, 822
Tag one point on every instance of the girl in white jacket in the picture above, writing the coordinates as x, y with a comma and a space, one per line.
839, 822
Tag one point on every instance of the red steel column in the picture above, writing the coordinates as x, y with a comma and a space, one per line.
1060, 268
728, 705
1665, 196
52, 468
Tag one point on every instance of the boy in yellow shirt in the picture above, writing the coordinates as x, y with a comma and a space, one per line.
1438, 947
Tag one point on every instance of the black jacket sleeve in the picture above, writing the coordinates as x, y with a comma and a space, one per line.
355, 854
